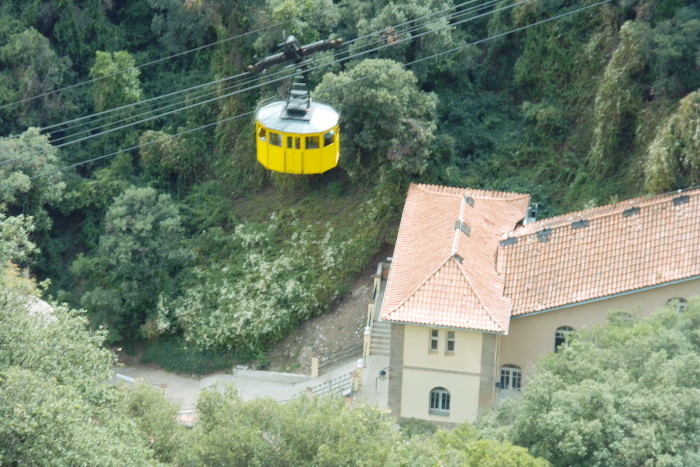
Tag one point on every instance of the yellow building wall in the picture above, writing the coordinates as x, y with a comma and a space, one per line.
459, 372
415, 396
529, 337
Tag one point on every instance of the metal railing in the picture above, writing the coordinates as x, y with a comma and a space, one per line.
340, 385
332, 360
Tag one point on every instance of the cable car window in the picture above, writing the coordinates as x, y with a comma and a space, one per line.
312, 142
297, 143
289, 142
328, 138
261, 134
275, 139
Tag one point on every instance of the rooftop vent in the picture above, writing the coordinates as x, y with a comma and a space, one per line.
509, 241
543, 235
466, 230
531, 213
469, 200
630, 212
458, 258
681, 200
580, 224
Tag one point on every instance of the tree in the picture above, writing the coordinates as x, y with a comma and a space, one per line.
31, 67
387, 120
116, 80
619, 98
55, 407
615, 395
180, 25
673, 160
415, 18
31, 182
138, 258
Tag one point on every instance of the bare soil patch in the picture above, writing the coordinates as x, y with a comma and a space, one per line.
338, 329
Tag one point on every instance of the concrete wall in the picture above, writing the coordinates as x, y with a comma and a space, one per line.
460, 372
531, 336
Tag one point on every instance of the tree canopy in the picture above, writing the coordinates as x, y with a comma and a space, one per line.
624, 394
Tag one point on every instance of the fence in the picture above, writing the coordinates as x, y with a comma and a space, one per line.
330, 361
340, 385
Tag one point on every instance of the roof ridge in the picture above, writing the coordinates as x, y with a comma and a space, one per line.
476, 294
598, 212
480, 194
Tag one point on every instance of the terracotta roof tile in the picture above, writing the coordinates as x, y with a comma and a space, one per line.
442, 276
621, 247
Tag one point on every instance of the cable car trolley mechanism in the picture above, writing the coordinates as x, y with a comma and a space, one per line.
297, 136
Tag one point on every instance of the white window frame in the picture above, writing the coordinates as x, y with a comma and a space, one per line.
439, 402
562, 336
434, 342
450, 342
511, 377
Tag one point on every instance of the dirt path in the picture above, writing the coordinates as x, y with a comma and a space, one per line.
341, 327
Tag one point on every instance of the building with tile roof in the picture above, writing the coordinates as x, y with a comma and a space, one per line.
477, 290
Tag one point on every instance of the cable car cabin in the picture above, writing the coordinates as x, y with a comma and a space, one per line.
297, 140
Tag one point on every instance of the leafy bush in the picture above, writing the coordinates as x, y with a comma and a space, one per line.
172, 354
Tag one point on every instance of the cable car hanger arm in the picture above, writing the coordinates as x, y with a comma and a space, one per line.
293, 52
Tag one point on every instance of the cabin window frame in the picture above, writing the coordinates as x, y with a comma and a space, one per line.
310, 144
276, 139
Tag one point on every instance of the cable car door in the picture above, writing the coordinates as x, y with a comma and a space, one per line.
293, 155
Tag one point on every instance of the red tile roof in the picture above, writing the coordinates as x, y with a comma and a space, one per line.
616, 248
440, 276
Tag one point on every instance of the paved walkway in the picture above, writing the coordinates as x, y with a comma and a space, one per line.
253, 384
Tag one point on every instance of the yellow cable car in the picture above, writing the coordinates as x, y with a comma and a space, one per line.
297, 136
297, 142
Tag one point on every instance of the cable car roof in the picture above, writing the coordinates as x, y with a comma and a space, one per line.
318, 118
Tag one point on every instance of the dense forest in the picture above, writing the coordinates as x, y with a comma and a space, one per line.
128, 146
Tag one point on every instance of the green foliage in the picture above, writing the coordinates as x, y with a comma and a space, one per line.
116, 80
676, 46
304, 431
276, 273
173, 354
391, 122
80, 28
619, 98
136, 261
31, 67
155, 416
49, 423
615, 396
163, 155
181, 25
30, 154
436, 35
467, 446
672, 161
308, 20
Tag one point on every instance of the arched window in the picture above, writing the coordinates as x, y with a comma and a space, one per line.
511, 376
677, 303
439, 401
561, 337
